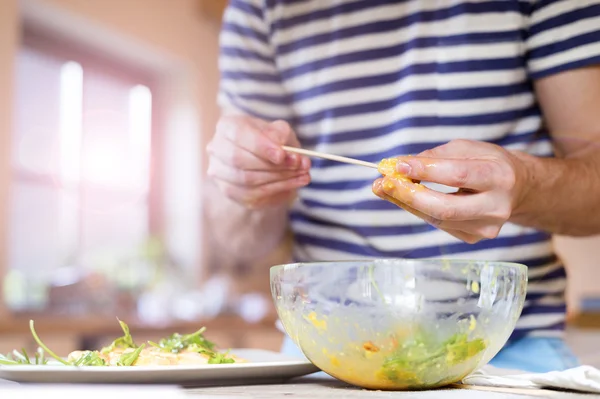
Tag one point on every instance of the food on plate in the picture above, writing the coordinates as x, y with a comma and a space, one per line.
176, 349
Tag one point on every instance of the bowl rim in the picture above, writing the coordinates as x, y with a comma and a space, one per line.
511, 265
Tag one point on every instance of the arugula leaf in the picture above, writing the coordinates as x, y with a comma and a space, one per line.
124, 342
176, 343
90, 358
7, 360
40, 358
421, 359
459, 349
16, 358
127, 359
44, 347
12, 359
25, 356
220, 358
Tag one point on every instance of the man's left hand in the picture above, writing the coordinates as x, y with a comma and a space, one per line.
491, 183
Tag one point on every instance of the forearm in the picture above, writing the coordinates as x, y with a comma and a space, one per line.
562, 195
245, 234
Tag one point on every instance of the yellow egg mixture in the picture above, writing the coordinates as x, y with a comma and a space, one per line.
404, 191
387, 167
397, 360
152, 357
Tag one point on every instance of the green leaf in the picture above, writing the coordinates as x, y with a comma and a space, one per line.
176, 343
17, 358
220, 358
44, 347
39, 357
90, 358
424, 359
127, 359
25, 356
124, 342
8, 360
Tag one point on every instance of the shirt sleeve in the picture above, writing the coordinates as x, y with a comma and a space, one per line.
250, 82
562, 35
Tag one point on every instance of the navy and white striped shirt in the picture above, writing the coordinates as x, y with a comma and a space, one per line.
371, 79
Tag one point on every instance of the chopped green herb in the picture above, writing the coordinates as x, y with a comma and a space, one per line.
16, 358
124, 342
127, 359
176, 343
220, 358
416, 361
90, 358
44, 347
459, 349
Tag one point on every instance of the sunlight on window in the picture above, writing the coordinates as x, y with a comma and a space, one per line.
140, 127
70, 136
81, 198
71, 109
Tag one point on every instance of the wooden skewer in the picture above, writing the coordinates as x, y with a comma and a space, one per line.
330, 157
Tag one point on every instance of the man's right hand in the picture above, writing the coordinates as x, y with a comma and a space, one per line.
249, 166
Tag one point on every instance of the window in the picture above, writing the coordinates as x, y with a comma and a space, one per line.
82, 191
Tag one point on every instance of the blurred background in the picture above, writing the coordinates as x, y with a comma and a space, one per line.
105, 109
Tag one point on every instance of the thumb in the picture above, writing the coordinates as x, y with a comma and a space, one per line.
282, 133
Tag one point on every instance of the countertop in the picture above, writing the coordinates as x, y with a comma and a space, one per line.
310, 387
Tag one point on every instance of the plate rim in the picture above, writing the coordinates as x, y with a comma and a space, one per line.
285, 362
129, 369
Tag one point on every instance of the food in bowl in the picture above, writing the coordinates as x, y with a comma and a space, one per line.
398, 324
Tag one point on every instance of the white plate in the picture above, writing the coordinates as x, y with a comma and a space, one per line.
262, 367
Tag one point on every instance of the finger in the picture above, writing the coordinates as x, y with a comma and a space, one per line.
470, 230
281, 132
249, 137
247, 177
239, 158
461, 235
474, 174
380, 192
253, 196
439, 205
461, 148
276, 199
483, 228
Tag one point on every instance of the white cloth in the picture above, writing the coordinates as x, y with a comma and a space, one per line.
581, 379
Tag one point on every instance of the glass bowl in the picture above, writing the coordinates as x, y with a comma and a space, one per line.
399, 324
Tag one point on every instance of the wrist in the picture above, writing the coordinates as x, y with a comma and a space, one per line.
536, 183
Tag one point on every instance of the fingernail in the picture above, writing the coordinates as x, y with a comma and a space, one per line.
305, 163
376, 187
291, 160
403, 167
274, 155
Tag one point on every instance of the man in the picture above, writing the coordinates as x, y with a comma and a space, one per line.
499, 99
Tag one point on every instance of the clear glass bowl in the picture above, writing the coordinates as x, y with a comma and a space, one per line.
399, 324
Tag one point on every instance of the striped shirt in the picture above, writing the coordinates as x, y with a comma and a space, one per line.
371, 79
